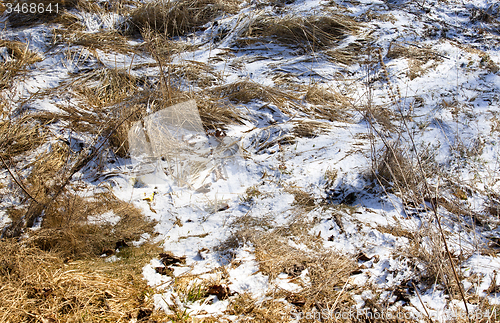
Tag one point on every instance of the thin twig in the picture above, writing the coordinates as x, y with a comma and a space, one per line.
18, 182
421, 302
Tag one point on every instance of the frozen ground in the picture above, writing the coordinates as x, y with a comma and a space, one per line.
422, 76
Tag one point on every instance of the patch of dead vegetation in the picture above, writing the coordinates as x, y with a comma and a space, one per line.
248, 309
104, 87
395, 170
309, 128
327, 104
197, 73
417, 56
20, 136
427, 250
39, 286
293, 250
176, 18
301, 198
246, 91
15, 57
76, 227
106, 40
311, 33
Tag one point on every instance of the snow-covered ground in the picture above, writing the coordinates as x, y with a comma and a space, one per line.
427, 72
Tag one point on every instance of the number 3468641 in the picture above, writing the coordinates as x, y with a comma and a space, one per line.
32, 8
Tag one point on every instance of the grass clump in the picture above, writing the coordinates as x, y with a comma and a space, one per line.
417, 56
292, 249
310, 33
50, 14
246, 91
20, 136
15, 57
75, 227
176, 18
39, 286
309, 129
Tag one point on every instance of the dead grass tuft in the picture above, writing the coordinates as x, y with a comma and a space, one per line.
37, 286
246, 91
302, 198
428, 251
15, 57
20, 136
309, 33
197, 73
163, 47
292, 250
328, 272
327, 104
104, 86
249, 309
394, 169
176, 18
46, 168
74, 227
309, 129
417, 55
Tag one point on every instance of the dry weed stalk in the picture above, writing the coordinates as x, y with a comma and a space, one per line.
420, 176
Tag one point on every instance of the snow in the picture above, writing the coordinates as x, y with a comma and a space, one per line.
460, 100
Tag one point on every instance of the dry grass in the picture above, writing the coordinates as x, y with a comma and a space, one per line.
176, 18
20, 136
19, 57
19, 19
246, 91
248, 309
309, 129
311, 33
395, 170
163, 47
351, 54
104, 86
73, 226
215, 113
327, 104
328, 271
417, 57
195, 73
427, 250
107, 41
37, 286
46, 169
